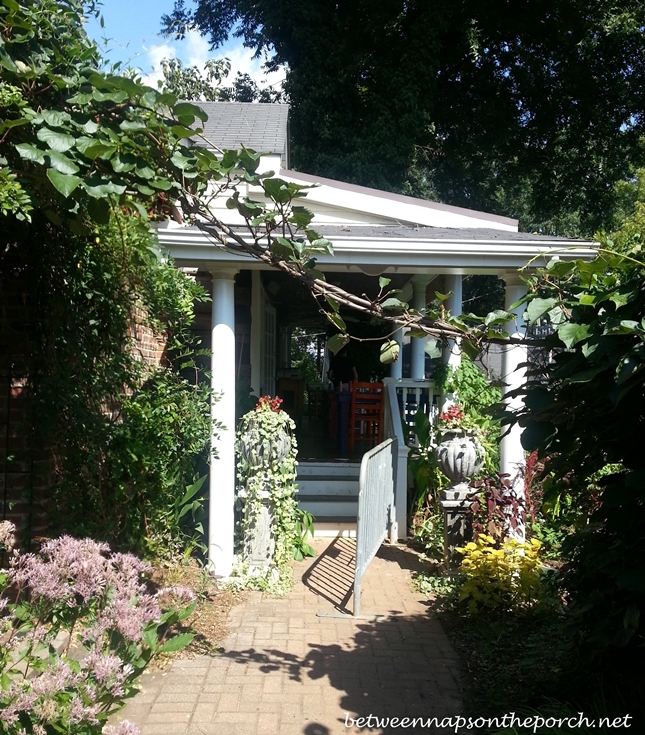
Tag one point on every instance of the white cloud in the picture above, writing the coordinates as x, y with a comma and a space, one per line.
196, 50
156, 54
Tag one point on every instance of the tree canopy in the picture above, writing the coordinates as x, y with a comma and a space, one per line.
535, 114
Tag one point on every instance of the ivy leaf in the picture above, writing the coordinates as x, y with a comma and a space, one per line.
185, 109
333, 303
417, 333
301, 216
442, 296
336, 343
62, 163
383, 282
433, 348
499, 316
30, 153
63, 183
394, 305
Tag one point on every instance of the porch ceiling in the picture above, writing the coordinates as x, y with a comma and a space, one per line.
296, 307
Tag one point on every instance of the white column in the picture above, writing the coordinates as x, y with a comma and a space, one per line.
511, 450
417, 352
452, 282
221, 525
396, 368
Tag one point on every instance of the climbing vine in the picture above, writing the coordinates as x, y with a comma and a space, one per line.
266, 451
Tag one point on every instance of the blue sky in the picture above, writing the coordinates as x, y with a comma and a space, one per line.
131, 35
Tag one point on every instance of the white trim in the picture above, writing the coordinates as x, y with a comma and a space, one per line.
190, 246
396, 206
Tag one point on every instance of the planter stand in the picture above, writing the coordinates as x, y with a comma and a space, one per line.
460, 458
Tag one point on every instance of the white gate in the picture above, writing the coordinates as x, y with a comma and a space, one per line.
375, 508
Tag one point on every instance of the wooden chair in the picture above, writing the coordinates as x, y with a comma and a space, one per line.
366, 413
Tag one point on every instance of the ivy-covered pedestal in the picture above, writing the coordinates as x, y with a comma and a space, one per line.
460, 457
266, 489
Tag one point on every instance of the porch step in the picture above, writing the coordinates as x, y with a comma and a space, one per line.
329, 491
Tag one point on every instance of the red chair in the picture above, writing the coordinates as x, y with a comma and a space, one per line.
366, 413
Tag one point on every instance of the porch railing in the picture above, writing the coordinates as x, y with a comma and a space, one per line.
375, 508
413, 395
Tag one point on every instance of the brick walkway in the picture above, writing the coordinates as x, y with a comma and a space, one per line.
285, 670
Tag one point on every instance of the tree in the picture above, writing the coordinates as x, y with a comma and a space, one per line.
584, 412
191, 83
533, 114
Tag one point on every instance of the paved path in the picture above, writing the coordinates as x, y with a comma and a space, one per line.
285, 670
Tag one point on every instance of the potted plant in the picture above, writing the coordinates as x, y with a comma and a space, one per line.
266, 484
460, 456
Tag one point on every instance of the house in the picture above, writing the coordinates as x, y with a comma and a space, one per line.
421, 246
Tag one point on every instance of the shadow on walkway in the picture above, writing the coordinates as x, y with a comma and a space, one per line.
396, 666
331, 576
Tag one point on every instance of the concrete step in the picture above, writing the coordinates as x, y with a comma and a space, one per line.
330, 509
328, 486
329, 491
328, 469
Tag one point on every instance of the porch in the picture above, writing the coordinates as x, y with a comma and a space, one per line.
249, 335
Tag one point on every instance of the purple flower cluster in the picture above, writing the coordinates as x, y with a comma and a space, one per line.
73, 570
123, 728
79, 586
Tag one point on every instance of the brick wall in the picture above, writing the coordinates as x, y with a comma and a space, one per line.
28, 466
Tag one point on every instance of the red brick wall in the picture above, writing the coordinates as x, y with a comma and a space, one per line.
28, 469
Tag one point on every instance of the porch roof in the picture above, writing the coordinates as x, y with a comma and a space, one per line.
395, 249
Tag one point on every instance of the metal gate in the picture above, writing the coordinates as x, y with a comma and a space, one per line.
375, 508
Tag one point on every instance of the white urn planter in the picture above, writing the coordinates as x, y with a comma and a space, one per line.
460, 456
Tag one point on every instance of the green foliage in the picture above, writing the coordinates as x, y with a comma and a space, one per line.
266, 450
583, 411
427, 532
191, 83
476, 395
427, 477
501, 578
434, 584
128, 436
303, 529
534, 115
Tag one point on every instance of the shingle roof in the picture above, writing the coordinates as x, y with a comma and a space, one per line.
457, 234
256, 125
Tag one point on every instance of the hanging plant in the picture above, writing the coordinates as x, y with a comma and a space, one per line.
267, 450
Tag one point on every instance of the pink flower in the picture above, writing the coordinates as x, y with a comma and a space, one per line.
123, 728
174, 597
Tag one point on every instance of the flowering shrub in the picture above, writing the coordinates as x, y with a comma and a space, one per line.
80, 632
506, 578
